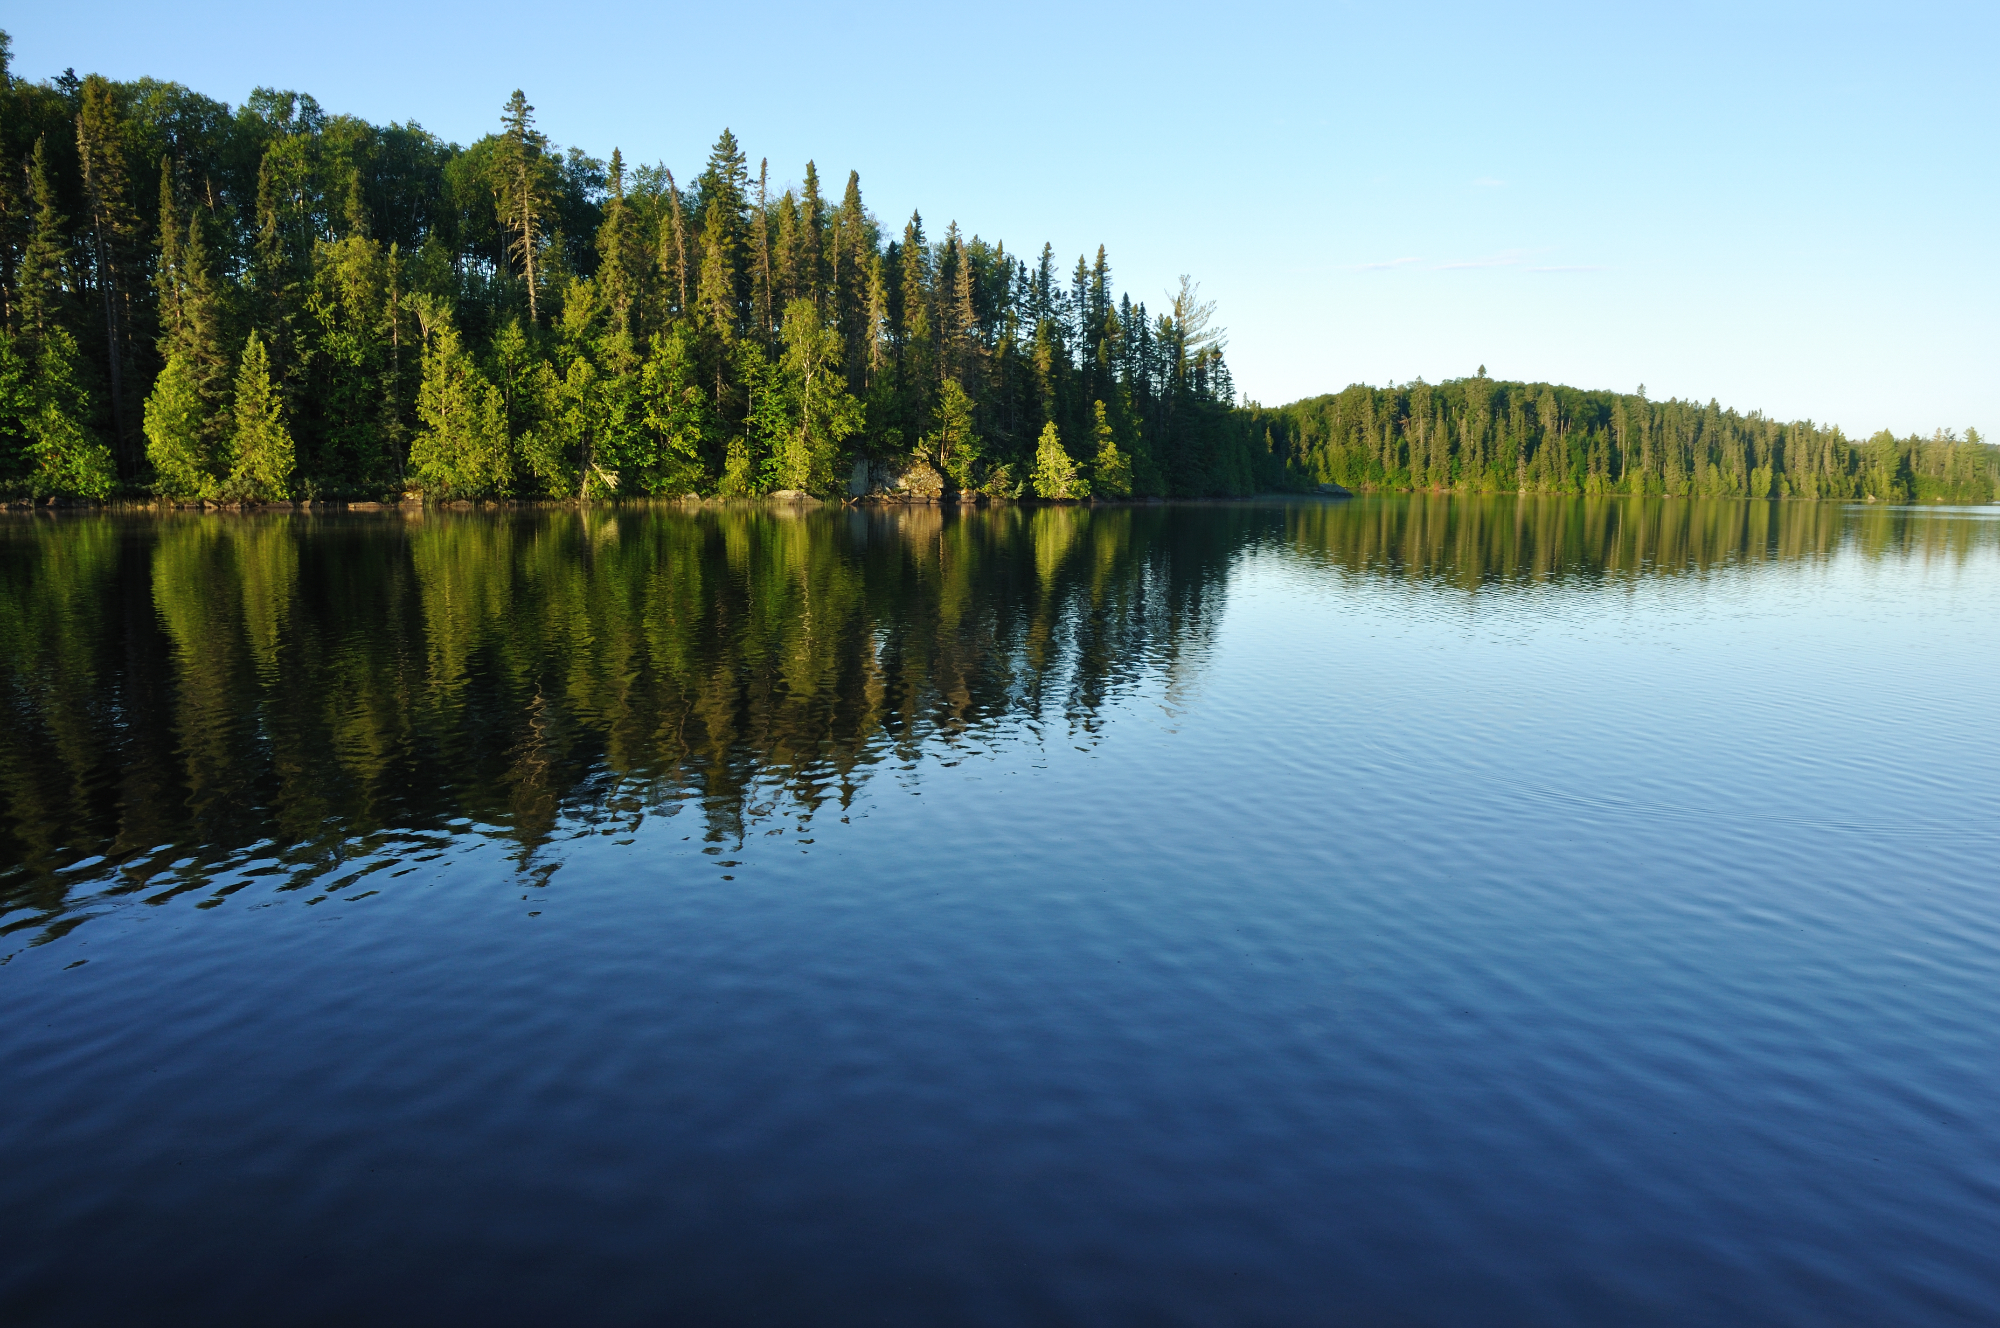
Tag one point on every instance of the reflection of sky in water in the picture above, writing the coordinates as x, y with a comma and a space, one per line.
1558, 912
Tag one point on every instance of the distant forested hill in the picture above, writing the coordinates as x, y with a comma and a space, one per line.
1479, 435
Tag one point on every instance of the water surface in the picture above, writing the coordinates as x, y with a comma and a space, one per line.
1414, 910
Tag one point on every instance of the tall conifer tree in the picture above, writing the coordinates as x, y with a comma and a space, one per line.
522, 187
114, 233
261, 468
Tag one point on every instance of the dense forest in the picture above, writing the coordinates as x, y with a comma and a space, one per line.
272, 303
1478, 435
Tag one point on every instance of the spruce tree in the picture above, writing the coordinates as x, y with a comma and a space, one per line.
179, 429
915, 328
761, 293
808, 259
716, 297
851, 270
114, 232
1111, 473
676, 415
60, 452
263, 461
69, 459
723, 290
620, 268
674, 250
186, 417
522, 188
40, 278
17, 411
953, 445
461, 450
823, 414
785, 279
1055, 474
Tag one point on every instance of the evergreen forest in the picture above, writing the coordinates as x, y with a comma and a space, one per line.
271, 302
1478, 435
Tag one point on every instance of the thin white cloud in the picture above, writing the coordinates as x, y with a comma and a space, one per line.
1383, 267
1511, 258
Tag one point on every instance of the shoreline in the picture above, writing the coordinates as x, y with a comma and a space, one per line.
801, 502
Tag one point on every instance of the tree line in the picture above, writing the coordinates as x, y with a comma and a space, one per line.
1479, 435
274, 302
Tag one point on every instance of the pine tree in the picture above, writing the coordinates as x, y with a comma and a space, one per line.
263, 456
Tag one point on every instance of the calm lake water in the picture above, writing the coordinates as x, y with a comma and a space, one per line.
1408, 910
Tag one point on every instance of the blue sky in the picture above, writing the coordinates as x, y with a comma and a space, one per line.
1784, 207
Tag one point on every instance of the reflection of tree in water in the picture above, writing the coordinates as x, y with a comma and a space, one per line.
1499, 541
205, 698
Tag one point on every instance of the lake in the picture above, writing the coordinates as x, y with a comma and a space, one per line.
1415, 910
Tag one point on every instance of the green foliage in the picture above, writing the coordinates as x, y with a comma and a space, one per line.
263, 457
462, 448
679, 427
821, 412
1478, 435
738, 470
17, 411
68, 457
522, 179
1055, 474
1111, 473
953, 446
178, 443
